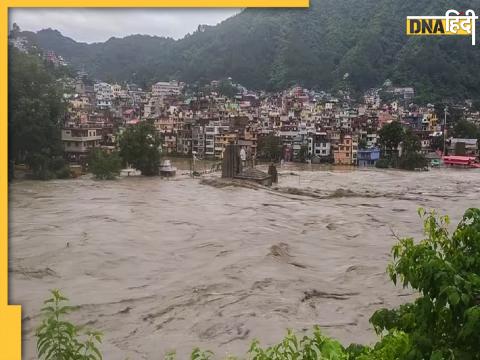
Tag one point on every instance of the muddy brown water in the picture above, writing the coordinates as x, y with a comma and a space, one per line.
173, 264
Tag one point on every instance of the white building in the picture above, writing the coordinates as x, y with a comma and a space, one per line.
116, 90
210, 132
103, 94
163, 88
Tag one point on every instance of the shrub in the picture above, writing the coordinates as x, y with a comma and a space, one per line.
309, 348
46, 167
103, 165
59, 339
444, 321
412, 161
382, 164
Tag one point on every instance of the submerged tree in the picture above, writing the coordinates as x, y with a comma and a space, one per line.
270, 147
103, 165
139, 146
411, 157
390, 136
466, 130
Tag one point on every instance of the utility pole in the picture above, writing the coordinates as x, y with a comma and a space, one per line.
445, 131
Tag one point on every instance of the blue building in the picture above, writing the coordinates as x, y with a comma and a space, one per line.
368, 157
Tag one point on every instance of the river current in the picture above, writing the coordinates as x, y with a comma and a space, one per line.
161, 264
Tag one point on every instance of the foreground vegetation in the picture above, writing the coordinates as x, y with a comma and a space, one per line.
442, 323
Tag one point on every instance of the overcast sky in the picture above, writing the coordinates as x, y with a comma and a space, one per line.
95, 25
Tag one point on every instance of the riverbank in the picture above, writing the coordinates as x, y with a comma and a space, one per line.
159, 265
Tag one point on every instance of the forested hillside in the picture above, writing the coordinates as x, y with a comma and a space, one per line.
275, 48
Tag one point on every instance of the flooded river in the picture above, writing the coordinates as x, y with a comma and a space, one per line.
173, 264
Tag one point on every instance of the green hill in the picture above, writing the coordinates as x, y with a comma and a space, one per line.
275, 48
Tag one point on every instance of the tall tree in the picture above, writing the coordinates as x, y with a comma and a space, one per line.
270, 147
390, 136
411, 142
35, 110
466, 130
411, 158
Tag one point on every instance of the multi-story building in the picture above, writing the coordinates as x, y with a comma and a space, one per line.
116, 90
368, 157
153, 107
342, 154
319, 146
198, 140
163, 88
78, 141
248, 139
103, 95
169, 142
221, 142
184, 138
210, 132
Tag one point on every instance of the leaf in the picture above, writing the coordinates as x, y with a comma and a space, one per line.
436, 355
454, 298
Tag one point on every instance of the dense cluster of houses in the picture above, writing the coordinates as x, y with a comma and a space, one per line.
311, 125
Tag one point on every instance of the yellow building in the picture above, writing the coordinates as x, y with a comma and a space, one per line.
432, 122
221, 142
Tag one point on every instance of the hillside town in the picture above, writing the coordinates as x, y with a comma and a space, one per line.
312, 126
307, 125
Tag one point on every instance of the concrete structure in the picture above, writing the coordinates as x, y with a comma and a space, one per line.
342, 153
77, 142
368, 157
319, 146
163, 88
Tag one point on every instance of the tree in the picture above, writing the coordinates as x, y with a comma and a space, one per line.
411, 159
35, 110
466, 130
390, 136
303, 153
444, 321
455, 114
226, 88
139, 146
103, 165
436, 143
411, 142
362, 144
270, 147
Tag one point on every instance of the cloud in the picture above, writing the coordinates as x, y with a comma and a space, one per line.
98, 25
